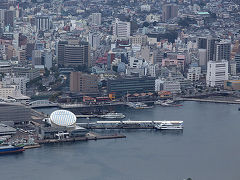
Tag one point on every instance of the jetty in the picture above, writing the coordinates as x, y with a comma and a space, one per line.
124, 124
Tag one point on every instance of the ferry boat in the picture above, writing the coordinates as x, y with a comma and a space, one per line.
140, 105
11, 149
170, 125
113, 116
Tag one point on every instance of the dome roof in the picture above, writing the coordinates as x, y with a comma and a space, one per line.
63, 118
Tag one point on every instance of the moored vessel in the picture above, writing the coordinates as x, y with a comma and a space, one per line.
113, 116
170, 125
11, 149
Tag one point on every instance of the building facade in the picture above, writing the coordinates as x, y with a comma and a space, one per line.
217, 73
83, 83
131, 85
121, 29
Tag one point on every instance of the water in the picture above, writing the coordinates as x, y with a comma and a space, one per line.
208, 148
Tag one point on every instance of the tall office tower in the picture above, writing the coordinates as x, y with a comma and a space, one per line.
29, 48
121, 29
9, 18
202, 42
60, 52
77, 54
223, 50
211, 48
4, 4
157, 56
22, 56
169, 11
74, 53
97, 19
43, 23
206, 46
36, 57
94, 40
217, 73
83, 83
2, 12
237, 61
47, 59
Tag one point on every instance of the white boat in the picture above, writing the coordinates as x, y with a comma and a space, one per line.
158, 102
170, 125
113, 116
140, 105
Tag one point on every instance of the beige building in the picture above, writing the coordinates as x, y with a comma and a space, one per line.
139, 39
11, 90
232, 84
83, 83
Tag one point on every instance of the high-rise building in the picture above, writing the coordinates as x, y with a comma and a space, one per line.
223, 50
4, 4
94, 40
60, 52
169, 11
43, 23
73, 53
9, 18
36, 57
121, 29
97, 19
83, 83
22, 56
206, 46
237, 60
211, 49
217, 73
29, 49
47, 59
2, 12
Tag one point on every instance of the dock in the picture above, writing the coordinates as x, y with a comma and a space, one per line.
124, 124
85, 138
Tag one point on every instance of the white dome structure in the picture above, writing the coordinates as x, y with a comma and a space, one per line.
63, 118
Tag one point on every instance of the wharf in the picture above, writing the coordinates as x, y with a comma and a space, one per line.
92, 137
209, 100
88, 116
32, 146
124, 124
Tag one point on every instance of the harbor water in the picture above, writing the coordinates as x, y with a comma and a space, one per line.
208, 148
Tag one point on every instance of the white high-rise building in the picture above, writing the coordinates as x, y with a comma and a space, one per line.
48, 59
97, 19
94, 40
217, 73
121, 29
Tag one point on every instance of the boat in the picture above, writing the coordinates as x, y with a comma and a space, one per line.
158, 102
167, 102
11, 149
140, 105
170, 125
113, 116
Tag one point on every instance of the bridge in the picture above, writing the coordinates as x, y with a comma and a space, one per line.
42, 103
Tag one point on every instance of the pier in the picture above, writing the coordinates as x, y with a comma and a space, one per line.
85, 138
124, 124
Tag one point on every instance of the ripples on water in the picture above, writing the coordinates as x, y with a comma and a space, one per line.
208, 148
